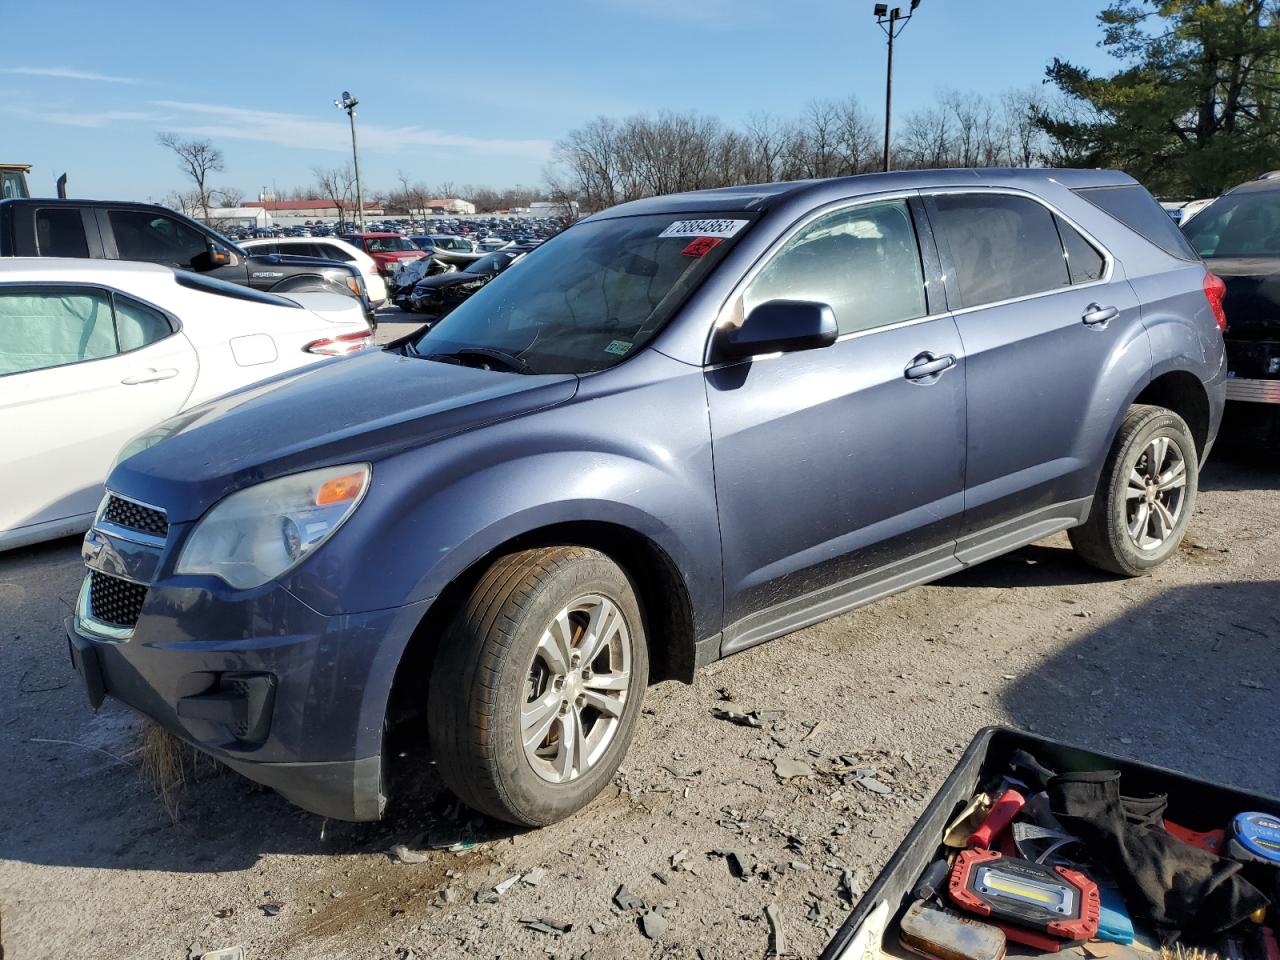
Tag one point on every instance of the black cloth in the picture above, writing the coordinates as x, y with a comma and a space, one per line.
1180, 889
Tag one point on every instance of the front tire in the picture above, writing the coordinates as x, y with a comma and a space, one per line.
538, 685
1145, 496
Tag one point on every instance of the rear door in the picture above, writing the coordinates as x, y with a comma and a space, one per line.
1046, 318
836, 463
82, 371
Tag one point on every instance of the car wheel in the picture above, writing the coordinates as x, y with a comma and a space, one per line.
538, 685
1145, 496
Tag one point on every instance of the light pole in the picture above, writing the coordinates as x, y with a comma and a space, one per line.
349, 103
892, 22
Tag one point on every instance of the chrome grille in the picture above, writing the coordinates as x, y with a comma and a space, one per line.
134, 516
114, 601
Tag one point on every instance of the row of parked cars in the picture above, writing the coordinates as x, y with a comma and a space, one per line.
489, 537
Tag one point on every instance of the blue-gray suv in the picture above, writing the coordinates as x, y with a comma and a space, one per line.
685, 426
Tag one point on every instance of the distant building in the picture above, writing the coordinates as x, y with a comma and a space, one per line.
452, 205
246, 216
314, 209
552, 208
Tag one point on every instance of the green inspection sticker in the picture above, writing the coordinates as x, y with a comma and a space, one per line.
618, 347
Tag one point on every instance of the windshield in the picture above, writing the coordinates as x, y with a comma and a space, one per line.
1238, 225
388, 244
590, 297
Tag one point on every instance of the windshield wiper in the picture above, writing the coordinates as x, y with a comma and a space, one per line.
512, 362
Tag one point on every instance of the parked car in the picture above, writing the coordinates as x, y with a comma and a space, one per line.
442, 292
115, 230
328, 248
388, 249
1239, 237
94, 352
488, 538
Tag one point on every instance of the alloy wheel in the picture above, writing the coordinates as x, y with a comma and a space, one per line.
577, 689
1155, 493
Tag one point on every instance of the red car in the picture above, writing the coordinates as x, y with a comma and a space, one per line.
388, 249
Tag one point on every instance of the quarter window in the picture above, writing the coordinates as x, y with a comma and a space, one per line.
60, 232
138, 325
1002, 247
41, 329
1084, 263
864, 262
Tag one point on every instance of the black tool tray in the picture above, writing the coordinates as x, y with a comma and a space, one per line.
871, 930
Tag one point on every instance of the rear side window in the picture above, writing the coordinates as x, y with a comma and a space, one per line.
41, 328
1002, 247
143, 235
1138, 211
863, 262
1084, 262
138, 325
330, 252
60, 232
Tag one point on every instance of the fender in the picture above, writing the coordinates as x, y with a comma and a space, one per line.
434, 511
307, 281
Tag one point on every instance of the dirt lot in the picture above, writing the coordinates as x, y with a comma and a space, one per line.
1178, 669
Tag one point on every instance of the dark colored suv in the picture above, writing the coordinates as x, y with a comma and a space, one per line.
684, 426
1239, 237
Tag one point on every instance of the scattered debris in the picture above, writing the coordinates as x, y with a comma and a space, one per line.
626, 900
654, 925
848, 889
736, 862
815, 912
661, 877
506, 884
679, 857
777, 945
271, 908
223, 953
788, 769
543, 925
1252, 684
535, 876
402, 854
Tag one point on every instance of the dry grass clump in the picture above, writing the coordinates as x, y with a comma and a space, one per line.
168, 765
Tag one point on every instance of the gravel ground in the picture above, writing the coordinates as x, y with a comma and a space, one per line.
1176, 669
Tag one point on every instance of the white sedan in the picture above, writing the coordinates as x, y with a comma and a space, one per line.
328, 248
94, 352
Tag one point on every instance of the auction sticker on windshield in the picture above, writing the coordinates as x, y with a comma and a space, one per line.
704, 228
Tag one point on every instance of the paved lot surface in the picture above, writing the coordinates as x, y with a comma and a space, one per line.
1178, 669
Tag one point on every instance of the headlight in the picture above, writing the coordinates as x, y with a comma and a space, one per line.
259, 533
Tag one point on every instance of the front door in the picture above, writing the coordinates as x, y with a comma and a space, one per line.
82, 371
835, 466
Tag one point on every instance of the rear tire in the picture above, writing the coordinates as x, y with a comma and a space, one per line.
1145, 496
538, 685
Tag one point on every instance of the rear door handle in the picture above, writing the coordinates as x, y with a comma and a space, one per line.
150, 376
1095, 314
926, 365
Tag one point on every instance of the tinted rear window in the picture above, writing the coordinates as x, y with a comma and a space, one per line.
60, 232
1138, 211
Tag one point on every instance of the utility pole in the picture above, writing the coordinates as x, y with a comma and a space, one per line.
349, 104
892, 22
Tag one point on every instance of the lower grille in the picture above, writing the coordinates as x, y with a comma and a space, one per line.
115, 601
126, 513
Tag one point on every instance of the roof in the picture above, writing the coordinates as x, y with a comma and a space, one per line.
763, 196
313, 204
73, 267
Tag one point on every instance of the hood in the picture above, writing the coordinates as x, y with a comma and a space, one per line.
443, 280
1253, 296
393, 255
360, 408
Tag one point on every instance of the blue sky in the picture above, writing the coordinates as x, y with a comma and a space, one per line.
469, 92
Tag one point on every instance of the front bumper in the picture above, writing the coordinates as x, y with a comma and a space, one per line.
281, 694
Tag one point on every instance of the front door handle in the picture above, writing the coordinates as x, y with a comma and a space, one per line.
1095, 314
150, 376
926, 365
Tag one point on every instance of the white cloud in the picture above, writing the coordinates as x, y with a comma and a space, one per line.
65, 73
296, 130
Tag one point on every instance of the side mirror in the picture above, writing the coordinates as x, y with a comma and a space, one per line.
778, 326
212, 258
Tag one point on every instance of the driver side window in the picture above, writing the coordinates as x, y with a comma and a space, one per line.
863, 262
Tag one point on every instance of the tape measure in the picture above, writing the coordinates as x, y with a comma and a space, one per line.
1258, 833
1035, 904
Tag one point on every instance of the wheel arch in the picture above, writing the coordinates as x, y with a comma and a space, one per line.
1184, 394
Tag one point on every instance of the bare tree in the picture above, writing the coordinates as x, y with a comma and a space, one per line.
199, 159
337, 184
